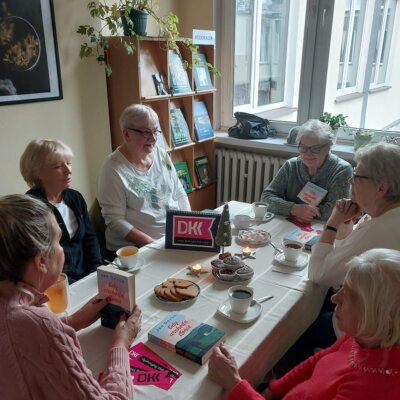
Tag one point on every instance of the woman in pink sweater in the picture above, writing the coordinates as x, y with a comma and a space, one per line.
362, 364
40, 354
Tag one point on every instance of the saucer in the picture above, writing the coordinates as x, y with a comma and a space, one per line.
267, 217
139, 265
300, 263
252, 313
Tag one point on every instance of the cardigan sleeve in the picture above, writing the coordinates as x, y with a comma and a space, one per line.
243, 390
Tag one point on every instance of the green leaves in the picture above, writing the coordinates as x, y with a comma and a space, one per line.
335, 121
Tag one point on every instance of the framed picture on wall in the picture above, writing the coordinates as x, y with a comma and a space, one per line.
29, 66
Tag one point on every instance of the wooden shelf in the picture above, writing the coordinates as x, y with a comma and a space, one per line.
132, 82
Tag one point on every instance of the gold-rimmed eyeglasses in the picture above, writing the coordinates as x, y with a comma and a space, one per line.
146, 132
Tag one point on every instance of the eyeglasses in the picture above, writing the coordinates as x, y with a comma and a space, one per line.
312, 149
147, 133
355, 176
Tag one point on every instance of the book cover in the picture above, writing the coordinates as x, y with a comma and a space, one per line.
179, 80
312, 194
202, 79
202, 170
187, 337
183, 175
191, 230
179, 128
308, 238
120, 287
202, 123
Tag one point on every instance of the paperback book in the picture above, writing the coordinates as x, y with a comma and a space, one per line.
186, 337
202, 123
191, 230
202, 168
120, 287
202, 78
179, 128
183, 175
308, 238
179, 80
312, 194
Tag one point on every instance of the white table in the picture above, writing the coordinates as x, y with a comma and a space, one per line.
257, 346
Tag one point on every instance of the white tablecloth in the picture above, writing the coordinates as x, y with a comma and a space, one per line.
257, 346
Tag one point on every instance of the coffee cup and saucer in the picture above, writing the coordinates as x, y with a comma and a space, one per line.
292, 255
260, 211
240, 306
128, 259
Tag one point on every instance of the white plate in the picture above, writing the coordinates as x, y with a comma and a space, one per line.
182, 301
139, 265
300, 263
268, 216
255, 237
252, 313
235, 278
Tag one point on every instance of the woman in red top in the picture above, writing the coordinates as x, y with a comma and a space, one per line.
362, 364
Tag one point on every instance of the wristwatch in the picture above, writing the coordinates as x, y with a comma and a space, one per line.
330, 228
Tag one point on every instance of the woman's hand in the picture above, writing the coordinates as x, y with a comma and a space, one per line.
304, 212
88, 314
345, 211
127, 329
222, 368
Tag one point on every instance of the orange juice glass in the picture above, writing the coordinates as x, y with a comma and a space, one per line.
58, 295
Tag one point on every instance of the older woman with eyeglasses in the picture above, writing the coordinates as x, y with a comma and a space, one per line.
138, 183
316, 165
375, 192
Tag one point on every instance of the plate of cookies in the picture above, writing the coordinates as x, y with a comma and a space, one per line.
176, 290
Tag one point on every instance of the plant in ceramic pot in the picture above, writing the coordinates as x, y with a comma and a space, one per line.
362, 137
115, 17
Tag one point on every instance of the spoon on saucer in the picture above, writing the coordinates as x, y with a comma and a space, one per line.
260, 300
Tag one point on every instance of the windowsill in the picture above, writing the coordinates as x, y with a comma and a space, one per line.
349, 96
379, 89
276, 145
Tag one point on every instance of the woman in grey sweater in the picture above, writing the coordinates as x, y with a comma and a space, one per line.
315, 164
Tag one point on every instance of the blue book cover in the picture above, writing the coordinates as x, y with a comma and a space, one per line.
201, 74
179, 80
202, 123
179, 128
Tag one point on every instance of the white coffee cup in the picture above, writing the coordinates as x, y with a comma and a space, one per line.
260, 209
128, 256
292, 250
242, 221
240, 298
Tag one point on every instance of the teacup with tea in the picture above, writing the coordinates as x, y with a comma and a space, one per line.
292, 250
128, 256
260, 209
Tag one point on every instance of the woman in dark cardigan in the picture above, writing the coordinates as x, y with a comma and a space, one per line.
46, 167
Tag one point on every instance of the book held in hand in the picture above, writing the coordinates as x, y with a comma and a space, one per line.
179, 80
183, 175
179, 128
187, 337
312, 194
202, 123
120, 287
202, 170
202, 78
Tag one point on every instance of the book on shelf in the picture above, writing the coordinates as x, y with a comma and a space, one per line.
186, 337
179, 128
158, 80
312, 194
202, 168
183, 174
202, 124
120, 287
191, 230
202, 78
179, 80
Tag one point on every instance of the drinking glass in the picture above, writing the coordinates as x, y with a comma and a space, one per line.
58, 295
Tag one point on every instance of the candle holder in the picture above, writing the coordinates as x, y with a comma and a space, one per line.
247, 253
196, 270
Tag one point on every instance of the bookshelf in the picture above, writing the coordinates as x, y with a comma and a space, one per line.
132, 82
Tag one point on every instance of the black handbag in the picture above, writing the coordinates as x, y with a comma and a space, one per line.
250, 126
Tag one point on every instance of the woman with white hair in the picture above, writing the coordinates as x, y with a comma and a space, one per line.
363, 364
138, 183
46, 166
315, 164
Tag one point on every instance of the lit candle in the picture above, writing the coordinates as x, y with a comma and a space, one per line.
196, 268
246, 251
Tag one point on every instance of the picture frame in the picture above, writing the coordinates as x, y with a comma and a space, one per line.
29, 67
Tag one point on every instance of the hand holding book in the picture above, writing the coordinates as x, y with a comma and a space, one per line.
127, 329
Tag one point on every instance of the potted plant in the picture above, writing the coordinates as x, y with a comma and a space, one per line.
334, 121
116, 17
362, 137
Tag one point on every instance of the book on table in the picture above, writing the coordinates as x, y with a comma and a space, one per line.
186, 337
202, 124
179, 80
120, 287
203, 171
179, 128
182, 171
312, 194
201, 74
307, 238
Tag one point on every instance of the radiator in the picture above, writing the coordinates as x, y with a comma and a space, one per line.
243, 176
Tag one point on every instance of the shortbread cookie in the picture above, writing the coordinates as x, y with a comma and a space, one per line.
189, 292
